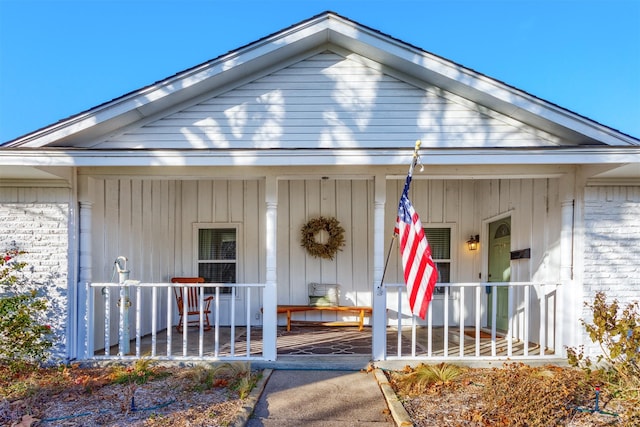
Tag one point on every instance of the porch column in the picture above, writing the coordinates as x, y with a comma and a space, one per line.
270, 297
379, 321
85, 332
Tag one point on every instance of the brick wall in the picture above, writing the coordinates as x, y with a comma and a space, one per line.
42, 230
612, 247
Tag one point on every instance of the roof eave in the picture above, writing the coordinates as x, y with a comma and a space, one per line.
319, 157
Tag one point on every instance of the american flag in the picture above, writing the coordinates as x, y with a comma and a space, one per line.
420, 272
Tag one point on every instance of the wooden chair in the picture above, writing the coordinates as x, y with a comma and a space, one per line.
193, 298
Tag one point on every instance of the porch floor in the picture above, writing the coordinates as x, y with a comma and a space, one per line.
321, 341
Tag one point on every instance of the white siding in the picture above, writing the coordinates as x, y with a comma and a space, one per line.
150, 222
350, 201
330, 101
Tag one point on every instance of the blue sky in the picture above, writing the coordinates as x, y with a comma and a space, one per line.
58, 58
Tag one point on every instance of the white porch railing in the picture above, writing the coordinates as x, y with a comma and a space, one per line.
143, 315
458, 325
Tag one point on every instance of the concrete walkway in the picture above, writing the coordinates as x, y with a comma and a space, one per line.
328, 398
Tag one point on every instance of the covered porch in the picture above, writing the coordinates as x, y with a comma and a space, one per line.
267, 267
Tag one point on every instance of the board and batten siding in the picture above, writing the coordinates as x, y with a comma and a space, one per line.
349, 201
151, 223
611, 248
329, 101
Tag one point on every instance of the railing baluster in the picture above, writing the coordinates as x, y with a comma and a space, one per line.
478, 295
462, 311
154, 320
527, 313
107, 319
138, 319
248, 321
558, 319
494, 305
429, 332
216, 327
509, 320
446, 320
169, 320
399, 322
233, 322
185, 321
90, 333
543, 320
201, 328
414, 332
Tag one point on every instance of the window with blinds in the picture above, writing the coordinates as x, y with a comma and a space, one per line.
440, 242
217, 255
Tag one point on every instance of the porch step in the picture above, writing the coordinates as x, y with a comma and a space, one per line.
316, 362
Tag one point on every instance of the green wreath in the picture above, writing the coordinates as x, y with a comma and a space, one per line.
322, 250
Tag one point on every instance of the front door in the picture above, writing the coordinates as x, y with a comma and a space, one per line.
499, 270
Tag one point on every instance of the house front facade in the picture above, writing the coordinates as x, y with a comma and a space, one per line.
214, 171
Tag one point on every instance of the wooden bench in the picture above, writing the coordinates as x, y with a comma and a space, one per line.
362, 312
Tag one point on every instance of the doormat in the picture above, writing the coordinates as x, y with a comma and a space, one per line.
483, 334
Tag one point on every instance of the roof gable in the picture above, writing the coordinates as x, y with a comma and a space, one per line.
304, 40
328, 101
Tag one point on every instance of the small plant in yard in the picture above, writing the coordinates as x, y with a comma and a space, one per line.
417, 380
236, 376
617, 332
24, 335
140, 372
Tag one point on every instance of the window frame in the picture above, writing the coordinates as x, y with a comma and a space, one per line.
197, 226
438, 292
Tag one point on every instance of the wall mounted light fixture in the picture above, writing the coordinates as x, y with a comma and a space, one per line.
473, 241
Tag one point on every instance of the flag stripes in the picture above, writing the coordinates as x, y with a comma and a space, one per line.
420, 273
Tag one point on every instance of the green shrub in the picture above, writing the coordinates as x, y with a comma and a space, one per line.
24, 336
